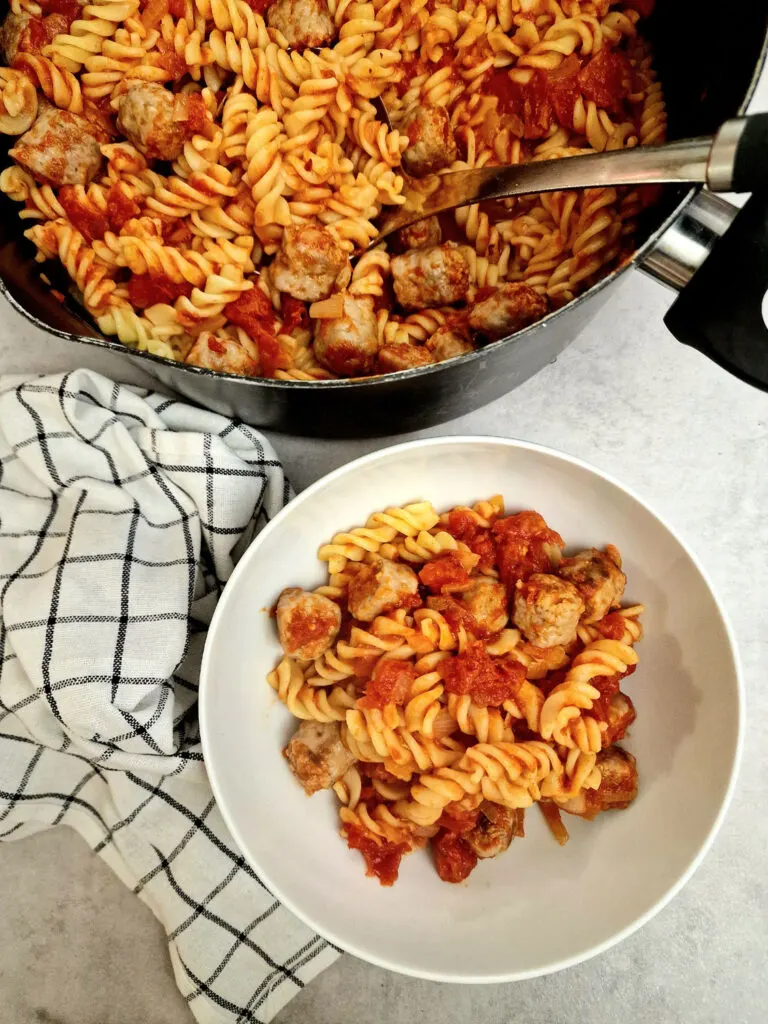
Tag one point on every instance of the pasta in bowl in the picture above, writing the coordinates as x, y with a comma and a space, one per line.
210, 172
537, 907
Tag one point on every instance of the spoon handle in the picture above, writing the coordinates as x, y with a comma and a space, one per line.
734, 158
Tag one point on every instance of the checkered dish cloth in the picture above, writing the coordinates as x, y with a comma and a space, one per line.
122, 514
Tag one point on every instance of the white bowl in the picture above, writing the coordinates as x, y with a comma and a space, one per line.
538, 907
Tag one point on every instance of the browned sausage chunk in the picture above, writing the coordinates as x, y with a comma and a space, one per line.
347, 345
487, 600
307, 623
621, 714
402, 357
308, 263
511, 307
14, 29
421, 235
547, 610
430, 277
60, 148
496, 827
431, 145
317, 756
381, 587
154, 119
303, 22
617, 789
598, 578
446, 343
223, 355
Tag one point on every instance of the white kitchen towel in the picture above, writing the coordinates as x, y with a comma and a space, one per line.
122, 514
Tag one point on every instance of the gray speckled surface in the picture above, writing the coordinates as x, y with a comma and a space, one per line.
77, 948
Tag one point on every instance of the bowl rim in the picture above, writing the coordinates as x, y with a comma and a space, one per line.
206, 688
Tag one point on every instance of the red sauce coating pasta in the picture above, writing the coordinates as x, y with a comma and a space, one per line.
149, 289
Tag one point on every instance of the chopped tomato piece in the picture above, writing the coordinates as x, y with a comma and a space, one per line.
608, 686
258, 6
382, 859
458, 819
177, 8
563, 87
294, 314
176, 67
120, 207
527, 104
148, 289
69, 8
606, 79
612, 626
462, 525
488, 681
523, 546
91, 223
390, 684
443, 571
454, 857
250, 309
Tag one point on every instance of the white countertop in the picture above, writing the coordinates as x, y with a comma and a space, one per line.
77, 948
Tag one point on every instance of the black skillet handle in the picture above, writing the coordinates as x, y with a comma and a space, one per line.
723, 310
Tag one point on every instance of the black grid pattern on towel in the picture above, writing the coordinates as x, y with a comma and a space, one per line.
122, 513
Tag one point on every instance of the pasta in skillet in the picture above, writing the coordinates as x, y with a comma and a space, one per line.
208, 171
454, 670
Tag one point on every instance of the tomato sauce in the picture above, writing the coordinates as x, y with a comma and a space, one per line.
458, 819
608, 687
294, 314
487, 681
382, 859
522, 543
527, 105
462, 525
70, 9
563, 89
90, 222
612, 626
149, 289
250, 310
607, 79
454, 857
177, 8
258, 6
120, 208
390, 684
443, 571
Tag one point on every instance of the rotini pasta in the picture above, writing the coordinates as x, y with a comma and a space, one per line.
454, 670
258, 127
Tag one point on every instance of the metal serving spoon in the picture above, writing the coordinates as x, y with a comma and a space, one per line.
733, 160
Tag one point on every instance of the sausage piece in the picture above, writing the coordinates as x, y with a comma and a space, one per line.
621, 714
487, 601
430, 277
617, 789
446, 343
420, 235
511, 307
60, 148
224, 355
547, 610
348, 344
149, 115
598, 578
431, 145
14, 28
303, 22
317, 756
380, 587
402, 357
308, 624
308, 263
496, 827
